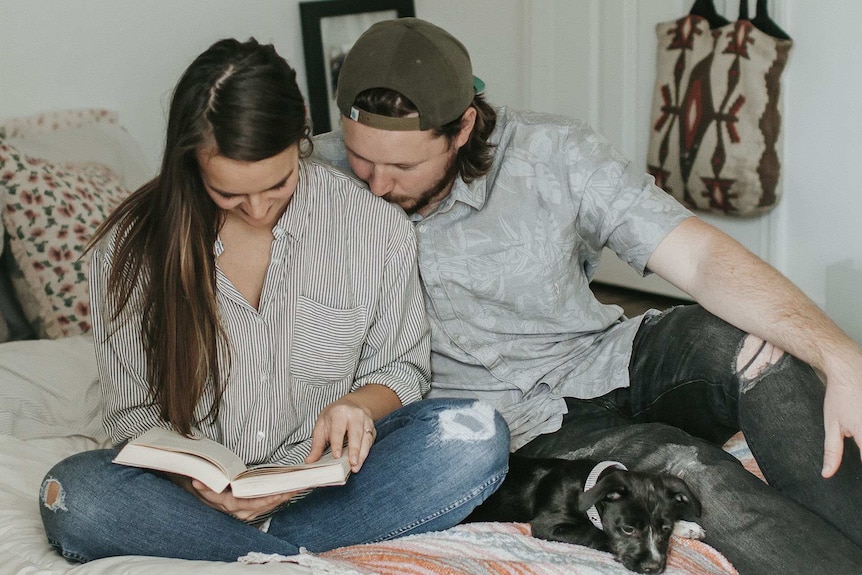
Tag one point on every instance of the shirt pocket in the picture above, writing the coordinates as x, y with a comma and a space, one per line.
326, 341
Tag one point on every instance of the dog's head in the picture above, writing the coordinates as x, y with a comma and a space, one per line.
638, 512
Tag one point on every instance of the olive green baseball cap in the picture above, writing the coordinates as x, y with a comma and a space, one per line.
421, 61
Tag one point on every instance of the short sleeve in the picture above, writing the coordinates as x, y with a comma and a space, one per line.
621, 208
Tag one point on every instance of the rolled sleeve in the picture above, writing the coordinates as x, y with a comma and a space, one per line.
621, 207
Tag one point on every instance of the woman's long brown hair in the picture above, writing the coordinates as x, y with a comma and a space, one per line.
240, 99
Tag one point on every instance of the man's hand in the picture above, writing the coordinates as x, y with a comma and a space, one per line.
842, 410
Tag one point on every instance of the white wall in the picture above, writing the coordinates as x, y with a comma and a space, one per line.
123, 54
545, 54
127, 55
821, 227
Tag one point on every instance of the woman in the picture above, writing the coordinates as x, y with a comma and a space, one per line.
270, 304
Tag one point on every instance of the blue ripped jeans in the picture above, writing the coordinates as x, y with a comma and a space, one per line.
695, 381
433, 462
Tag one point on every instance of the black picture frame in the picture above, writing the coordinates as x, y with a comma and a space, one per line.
344, 20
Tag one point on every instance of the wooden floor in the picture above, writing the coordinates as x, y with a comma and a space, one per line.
632, 301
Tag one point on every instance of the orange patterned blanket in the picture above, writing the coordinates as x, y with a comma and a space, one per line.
505, 549
492, 549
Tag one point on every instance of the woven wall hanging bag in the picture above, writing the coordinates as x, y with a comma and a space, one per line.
715, 142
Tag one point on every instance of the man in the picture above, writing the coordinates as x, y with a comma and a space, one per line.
512, 211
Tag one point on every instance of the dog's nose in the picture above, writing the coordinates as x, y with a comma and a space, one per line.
652, 568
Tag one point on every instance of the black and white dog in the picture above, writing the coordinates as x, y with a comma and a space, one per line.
597, 504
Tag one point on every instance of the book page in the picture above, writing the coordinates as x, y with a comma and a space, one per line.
266, 468
167, 450
270, 479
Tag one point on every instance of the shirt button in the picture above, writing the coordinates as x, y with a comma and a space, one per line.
261, 435
462, 339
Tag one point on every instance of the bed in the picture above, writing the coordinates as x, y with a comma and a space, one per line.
60, 174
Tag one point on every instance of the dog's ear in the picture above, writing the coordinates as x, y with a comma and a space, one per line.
609, 488
687, 504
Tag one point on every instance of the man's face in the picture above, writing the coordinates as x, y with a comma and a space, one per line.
414, 169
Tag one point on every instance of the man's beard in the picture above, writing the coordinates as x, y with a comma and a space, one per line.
432, 193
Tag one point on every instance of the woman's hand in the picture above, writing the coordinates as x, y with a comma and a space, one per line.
241, 508
343, 418
352, 417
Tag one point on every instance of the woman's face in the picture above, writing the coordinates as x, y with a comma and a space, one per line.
255, 192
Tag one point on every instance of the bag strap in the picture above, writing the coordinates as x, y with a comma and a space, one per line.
706, 9
763, 22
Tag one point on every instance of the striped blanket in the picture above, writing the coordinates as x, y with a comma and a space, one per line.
492, 549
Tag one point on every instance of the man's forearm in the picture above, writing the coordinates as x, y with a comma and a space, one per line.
737, 286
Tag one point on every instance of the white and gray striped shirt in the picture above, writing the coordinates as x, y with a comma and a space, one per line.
341, 307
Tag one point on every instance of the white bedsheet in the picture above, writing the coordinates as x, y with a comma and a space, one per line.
49, 409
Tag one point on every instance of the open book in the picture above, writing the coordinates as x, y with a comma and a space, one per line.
218, 467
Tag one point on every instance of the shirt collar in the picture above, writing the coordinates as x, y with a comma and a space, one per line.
294, 220
471, 194
475, 194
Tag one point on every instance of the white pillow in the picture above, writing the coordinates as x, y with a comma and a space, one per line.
49, 388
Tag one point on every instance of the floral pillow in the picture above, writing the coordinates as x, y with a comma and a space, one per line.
50, 212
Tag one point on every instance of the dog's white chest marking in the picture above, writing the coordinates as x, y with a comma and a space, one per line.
688, 530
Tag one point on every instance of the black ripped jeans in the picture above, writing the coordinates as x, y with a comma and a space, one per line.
687, 396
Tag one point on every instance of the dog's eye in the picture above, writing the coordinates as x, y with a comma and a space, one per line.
627, 529
666, 527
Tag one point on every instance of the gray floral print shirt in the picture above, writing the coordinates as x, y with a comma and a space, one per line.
506, 263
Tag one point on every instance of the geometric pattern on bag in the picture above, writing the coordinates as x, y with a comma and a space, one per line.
715, 143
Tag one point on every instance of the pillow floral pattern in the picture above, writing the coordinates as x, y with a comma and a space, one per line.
50, 213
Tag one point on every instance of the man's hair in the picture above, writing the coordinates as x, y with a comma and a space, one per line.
241, 101
474, 159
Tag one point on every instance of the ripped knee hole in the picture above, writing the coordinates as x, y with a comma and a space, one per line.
53, 496
755, 356
475, 423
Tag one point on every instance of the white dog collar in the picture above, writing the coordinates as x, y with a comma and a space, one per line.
592, 479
